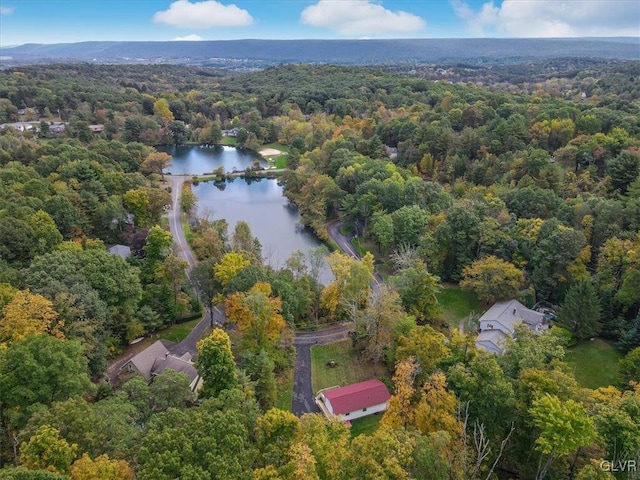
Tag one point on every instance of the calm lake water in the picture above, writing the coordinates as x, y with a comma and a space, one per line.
198, 160
260, 203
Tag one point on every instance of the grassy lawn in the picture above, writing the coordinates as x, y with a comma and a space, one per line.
594, 363
179, 332
349, 368
228, 141
366, 425
458, 304
285, 390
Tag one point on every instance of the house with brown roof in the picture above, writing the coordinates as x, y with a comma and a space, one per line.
354, 401
157, 358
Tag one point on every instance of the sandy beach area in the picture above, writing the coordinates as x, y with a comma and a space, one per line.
267, 152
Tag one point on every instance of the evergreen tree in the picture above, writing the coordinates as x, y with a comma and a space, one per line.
580, 312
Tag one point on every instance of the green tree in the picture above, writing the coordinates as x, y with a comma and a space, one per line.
580, 311
492, 279
215, 364
418, 290
630, 367
564, 427
623, 170
41, 369
171, 389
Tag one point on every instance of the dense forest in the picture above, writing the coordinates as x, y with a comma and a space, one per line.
508, 185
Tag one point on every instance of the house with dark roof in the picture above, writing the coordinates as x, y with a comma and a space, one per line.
354, 401
498, 323
157, 358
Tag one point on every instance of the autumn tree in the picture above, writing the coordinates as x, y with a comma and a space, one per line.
28, 314
229, 266
400, 410
382, 313
436, 409
426, 345
258, 317
102, 468
352, 286
215, 363
162, 110
48, 451
492, 279
156, 162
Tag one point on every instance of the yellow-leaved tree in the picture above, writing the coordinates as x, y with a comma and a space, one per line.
257, 315
28, 314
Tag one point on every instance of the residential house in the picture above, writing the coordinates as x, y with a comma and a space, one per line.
120, 250
354, 401
157, 358
96, 128
232, 132
498, 323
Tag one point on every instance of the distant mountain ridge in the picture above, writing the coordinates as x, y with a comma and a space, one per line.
348, 52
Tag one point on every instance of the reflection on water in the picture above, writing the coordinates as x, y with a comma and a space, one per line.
198, 160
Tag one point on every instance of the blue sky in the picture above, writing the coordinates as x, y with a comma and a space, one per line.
56, 21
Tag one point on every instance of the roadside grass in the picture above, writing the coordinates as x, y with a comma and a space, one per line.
177, 333
349, 367
365, 425
457, 303
186, 228
285, 390
594, 362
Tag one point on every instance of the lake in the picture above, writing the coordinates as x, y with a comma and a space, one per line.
259, 202
198, 160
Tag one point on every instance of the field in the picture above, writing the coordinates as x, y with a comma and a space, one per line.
349, 368
366, 425
458, 304
594, 363
179, 332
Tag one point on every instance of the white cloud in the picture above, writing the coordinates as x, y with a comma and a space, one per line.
552, 18
207, 14
188, 38
6, 10
359, 17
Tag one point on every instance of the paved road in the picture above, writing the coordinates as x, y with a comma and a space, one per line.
344, 242
303, 395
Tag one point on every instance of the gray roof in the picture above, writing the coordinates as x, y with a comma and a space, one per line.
120, 250
145, 360
176, 364
511, 312
493, 337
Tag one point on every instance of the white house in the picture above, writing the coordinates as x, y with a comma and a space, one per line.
498, 323
354, 401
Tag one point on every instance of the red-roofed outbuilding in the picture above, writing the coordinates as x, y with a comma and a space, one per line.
354, 401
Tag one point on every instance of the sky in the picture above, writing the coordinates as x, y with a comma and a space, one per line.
66, 21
